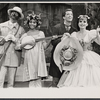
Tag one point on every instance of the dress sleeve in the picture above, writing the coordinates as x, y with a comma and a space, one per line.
42, 35
24, 35
97, 39
92, 35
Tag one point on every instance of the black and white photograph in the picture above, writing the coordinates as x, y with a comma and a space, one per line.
50, 45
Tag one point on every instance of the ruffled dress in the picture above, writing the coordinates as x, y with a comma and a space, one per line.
87, 73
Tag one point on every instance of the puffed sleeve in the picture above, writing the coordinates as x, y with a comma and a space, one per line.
94, 36
42, 35
97, 39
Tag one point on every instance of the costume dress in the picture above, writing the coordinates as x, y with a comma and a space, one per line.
34, 60
87, 73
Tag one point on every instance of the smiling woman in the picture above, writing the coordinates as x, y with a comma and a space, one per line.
34, 58
87, 71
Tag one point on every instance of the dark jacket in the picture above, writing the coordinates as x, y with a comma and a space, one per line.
59, 29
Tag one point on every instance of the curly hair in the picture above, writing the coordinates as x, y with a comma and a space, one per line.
35, 17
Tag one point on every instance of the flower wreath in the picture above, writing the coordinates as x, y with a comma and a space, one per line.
33, 16
83, 16
68, 55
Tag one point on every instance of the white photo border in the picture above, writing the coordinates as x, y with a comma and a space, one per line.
50, 92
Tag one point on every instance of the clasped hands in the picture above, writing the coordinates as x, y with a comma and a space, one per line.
65, 35
10, 37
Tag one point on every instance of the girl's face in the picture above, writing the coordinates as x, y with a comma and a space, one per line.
32, 24
83, 23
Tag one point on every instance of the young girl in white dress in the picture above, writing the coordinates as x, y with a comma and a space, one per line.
88, 70
34, 58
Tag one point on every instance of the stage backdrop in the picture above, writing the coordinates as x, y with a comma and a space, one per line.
51, 14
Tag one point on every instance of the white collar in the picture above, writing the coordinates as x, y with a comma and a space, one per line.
67, 24
13, 25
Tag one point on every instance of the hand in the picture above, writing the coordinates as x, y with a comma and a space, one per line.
65, 35
13, 38
54, 37
8, 37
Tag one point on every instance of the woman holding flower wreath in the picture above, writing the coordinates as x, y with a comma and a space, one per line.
87, 72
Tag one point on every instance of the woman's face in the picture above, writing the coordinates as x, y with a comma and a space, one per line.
83, 23
32, 24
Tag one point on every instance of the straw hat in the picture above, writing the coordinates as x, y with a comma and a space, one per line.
68, 54
17, 9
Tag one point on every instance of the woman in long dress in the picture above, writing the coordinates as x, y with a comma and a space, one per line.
88, 71
34, 58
